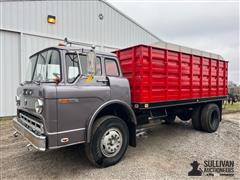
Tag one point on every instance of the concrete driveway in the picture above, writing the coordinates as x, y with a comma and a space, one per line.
164, 152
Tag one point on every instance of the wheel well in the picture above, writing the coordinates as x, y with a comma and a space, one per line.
124, 113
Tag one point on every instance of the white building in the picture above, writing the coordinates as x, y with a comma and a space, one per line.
24, 29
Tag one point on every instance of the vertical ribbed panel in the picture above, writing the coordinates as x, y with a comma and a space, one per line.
9, 72
77, 20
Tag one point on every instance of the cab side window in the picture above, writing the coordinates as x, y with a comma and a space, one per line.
73, 67
111, 67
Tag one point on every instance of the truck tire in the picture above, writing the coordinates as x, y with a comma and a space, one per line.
196, 118
170, 119
109, 141
210, 117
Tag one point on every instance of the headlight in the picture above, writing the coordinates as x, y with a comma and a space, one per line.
39, 106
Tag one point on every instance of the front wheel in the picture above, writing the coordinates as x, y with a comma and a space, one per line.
109, 141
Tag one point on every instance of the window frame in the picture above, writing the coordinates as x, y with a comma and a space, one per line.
77, 77
111, 59
100, 60
43, 51
68, 70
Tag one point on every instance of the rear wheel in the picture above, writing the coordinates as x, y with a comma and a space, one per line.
210, 118
196, 118
109, 141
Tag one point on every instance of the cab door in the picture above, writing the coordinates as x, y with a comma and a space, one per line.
78, 99
120, 89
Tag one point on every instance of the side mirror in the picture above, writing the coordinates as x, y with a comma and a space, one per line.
56, 78
91, 62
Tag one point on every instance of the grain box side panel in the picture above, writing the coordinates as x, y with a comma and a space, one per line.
173, 76
186, 76
196, 78
158, 75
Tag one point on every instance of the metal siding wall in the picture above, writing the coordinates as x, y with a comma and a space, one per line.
77, 20
9, 72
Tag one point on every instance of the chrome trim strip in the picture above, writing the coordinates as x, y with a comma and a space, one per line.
56, 147
38, 142
67, 131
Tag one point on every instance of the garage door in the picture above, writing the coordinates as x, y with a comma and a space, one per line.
9, 71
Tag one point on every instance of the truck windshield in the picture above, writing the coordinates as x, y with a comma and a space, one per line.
44, 67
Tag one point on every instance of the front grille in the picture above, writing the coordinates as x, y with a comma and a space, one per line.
31, 124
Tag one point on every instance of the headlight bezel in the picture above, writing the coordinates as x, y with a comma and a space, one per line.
39, 106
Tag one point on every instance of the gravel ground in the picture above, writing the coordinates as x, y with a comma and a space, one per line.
164, 152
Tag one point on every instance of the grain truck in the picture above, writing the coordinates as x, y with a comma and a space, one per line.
73, 95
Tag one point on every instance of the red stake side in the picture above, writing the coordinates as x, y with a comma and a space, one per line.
157, 74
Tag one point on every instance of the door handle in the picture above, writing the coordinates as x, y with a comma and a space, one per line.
102, 80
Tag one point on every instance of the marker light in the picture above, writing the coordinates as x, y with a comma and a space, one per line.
51, 19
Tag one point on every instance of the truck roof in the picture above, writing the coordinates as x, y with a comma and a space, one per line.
84, 50
74, 48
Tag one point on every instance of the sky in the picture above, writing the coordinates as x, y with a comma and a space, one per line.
206, 25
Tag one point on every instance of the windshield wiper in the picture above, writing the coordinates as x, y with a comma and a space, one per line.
36, 82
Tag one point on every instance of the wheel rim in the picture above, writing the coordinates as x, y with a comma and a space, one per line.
214, 119
111, 142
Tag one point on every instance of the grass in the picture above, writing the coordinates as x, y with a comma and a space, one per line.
231, 107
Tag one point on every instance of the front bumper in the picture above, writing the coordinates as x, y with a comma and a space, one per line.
38, 142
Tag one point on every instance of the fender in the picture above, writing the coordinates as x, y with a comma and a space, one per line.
92, 119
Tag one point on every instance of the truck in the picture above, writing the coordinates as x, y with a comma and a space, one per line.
75, 95
233, 93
